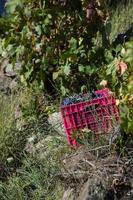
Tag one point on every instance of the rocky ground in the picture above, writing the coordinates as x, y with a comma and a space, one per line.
106, 177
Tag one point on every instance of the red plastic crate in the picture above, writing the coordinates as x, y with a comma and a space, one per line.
99, 115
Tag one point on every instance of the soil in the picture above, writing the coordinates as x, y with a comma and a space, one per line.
100, 173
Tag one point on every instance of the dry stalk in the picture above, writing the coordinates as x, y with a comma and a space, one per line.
90, 163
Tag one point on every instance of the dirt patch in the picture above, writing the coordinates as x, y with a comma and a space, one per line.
106, 177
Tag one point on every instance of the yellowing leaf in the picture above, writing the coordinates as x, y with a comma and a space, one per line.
122, 67
103, 83
55, 75
117, 102
131, 99
123, 51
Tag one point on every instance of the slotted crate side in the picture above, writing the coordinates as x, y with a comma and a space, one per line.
77, 115
98, 115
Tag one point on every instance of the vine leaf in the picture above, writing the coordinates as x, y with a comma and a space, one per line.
122, 67
67, 69
104, 83
56, 74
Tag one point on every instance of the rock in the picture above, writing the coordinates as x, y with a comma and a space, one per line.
5, 85
68, 194
40, 148
93, 189
7, 81
29, 148
3, 64
84, 192
13, 85
9, 70
54, 120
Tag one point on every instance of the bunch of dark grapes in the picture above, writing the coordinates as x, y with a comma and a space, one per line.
82, 97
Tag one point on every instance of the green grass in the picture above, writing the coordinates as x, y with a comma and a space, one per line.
122, 19
28, 176
37, 177
34, 180
12, 139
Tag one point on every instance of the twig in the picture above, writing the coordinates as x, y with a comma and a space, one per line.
110, 165
90, 163
98, 148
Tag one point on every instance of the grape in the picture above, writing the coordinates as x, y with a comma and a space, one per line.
82, 97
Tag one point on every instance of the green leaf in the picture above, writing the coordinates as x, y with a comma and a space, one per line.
118, 48
87, 69
67, 69
129, 53
73, 44
114, 78
38, 61
81, 68
20, 51
56, 74
23, 80
108, 56
63, 90
28, 73
27, 11
80, 40
11, 5
90, 70
38, 30
110, 68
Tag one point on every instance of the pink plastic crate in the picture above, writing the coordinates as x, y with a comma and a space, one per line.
99, 115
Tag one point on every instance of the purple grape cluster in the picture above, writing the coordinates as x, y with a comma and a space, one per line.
82, 97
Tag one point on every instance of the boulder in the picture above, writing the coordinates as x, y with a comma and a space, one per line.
5, 85
54, 120
13, 85
93, 189
68, 194
9, 70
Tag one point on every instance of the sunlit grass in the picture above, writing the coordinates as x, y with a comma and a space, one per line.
122, 19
